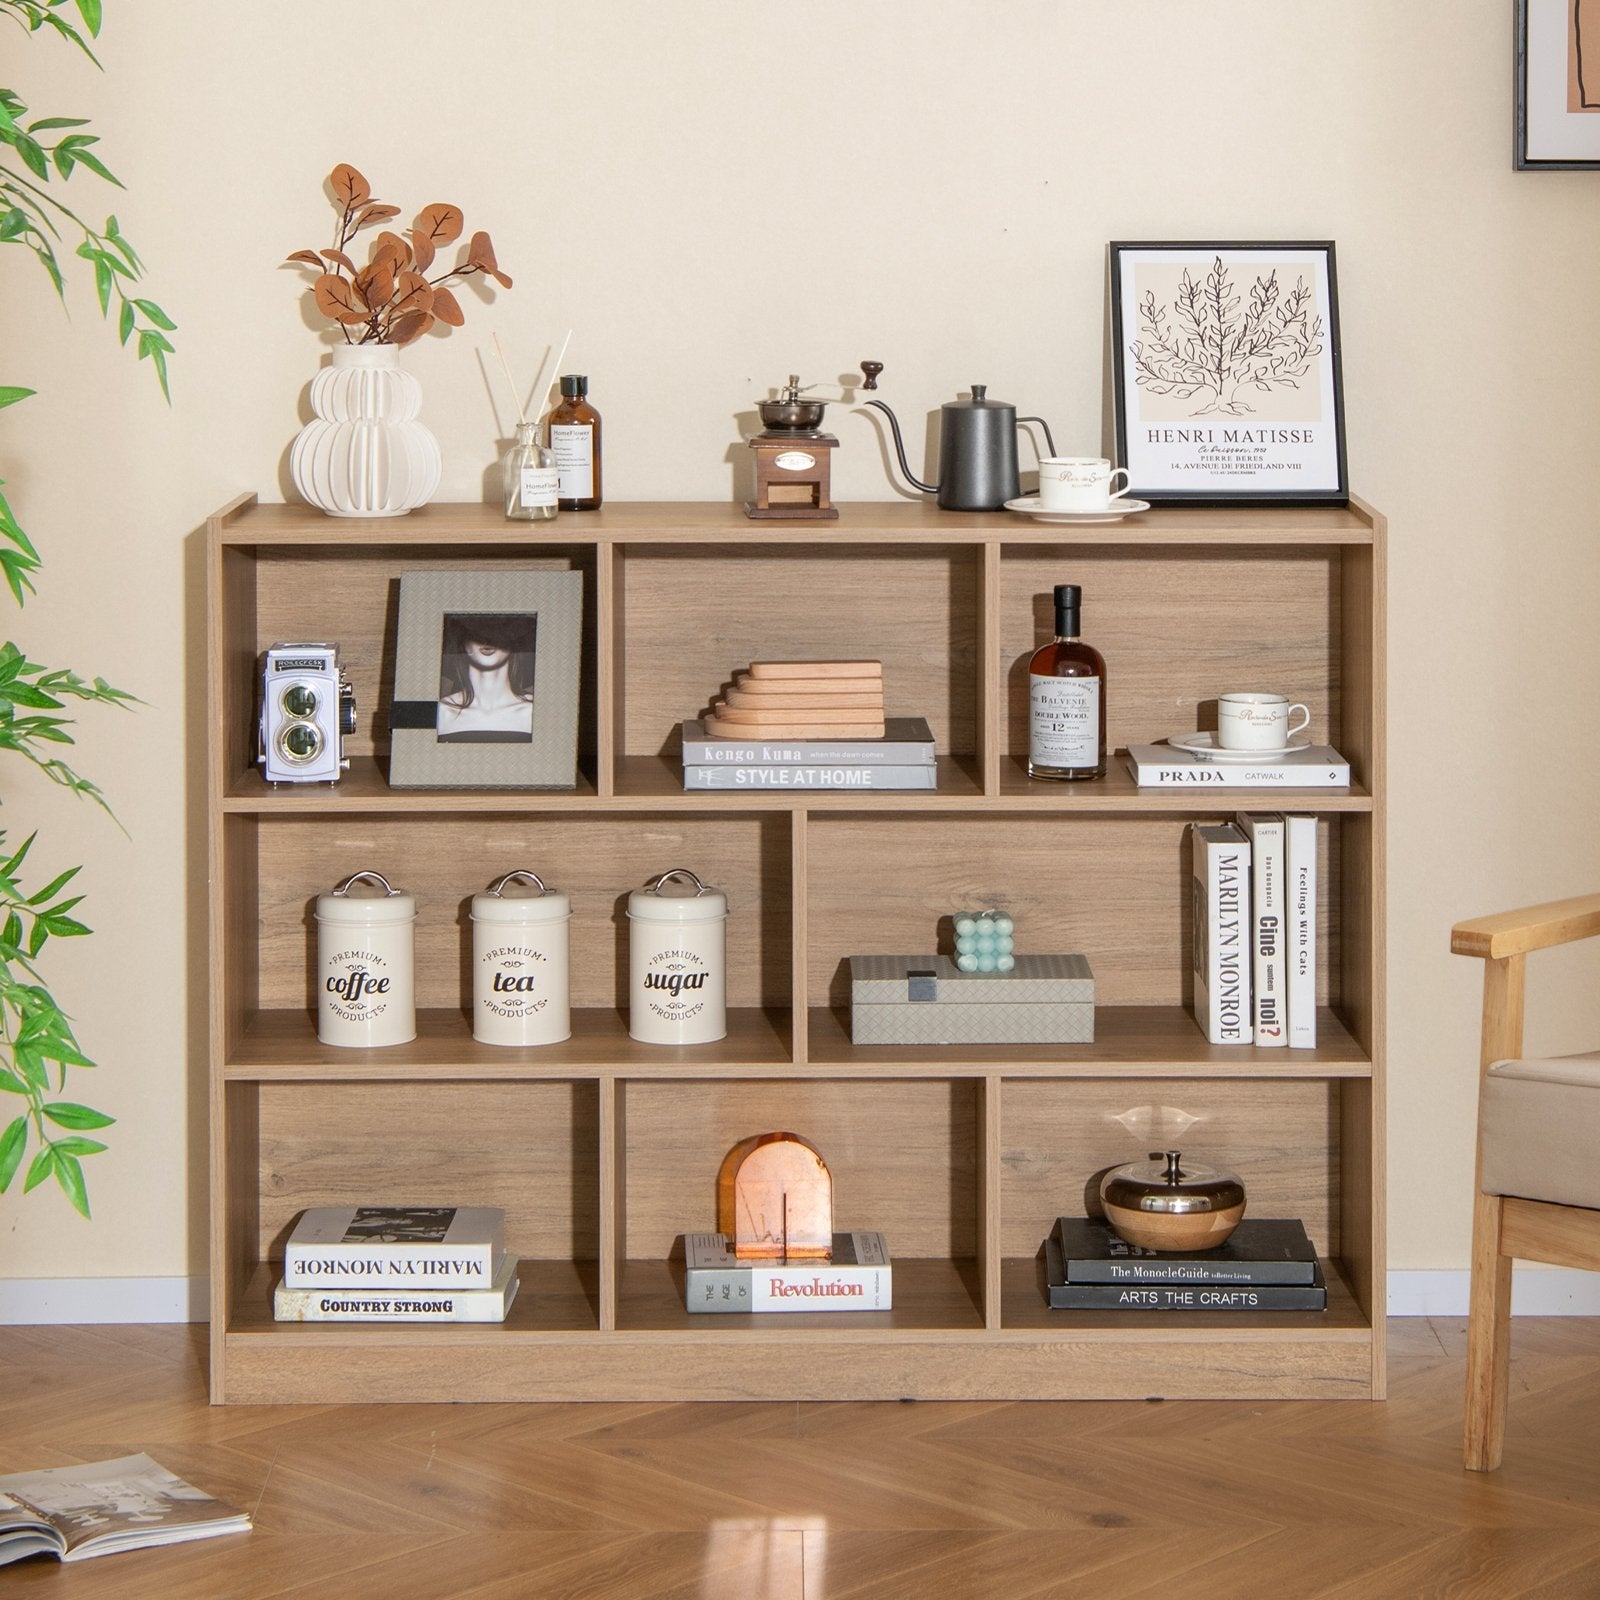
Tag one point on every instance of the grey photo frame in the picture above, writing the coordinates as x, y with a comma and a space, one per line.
1227, 385
486, 680
1557, 86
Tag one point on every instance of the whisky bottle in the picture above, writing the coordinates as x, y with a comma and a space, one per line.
1067, 700
575, 442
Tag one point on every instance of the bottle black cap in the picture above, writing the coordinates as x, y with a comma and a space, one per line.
1068, 598
1069, 594
574, 385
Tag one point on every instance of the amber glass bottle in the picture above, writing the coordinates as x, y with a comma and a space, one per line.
1067, 699
575, 443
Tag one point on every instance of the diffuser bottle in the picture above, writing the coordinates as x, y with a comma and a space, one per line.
532, 483
575, 443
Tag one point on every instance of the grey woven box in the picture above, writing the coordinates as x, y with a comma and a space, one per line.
929, 1000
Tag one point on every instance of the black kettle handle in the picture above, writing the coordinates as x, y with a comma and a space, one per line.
1043, 424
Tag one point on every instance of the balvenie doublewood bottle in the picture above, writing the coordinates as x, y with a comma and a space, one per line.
1067, 700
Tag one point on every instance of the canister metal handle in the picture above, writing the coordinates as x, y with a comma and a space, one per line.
371, 877
521, 872
655, 883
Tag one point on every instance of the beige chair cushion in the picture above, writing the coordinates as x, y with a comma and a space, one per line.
1540, 1122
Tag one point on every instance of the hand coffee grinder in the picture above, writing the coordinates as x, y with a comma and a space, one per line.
792, 458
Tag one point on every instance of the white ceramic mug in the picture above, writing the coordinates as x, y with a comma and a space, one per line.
1258, 721
1078, 483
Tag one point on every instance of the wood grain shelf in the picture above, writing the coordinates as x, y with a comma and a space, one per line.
603, 1151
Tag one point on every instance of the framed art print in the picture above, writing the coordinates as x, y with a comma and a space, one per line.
1225, 373
1557, 84
486, 681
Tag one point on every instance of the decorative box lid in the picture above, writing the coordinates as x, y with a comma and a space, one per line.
908, 980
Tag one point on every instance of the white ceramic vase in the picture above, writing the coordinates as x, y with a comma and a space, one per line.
364, 454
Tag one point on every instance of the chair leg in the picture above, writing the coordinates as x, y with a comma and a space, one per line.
1488, 1340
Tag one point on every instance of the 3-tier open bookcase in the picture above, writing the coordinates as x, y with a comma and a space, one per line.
602, 1150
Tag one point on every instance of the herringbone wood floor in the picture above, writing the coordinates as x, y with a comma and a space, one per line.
1339, 1501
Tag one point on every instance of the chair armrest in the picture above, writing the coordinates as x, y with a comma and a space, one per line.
1514, 933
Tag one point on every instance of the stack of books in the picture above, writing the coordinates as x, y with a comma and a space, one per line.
856, 1279
1266, 1264
1254, 906
901, 756
397, 1264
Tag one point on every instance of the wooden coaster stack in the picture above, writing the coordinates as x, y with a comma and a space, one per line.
802, 700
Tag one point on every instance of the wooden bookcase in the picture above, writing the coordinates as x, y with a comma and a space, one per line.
603, 1151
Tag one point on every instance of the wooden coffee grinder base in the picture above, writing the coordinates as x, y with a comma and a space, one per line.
792, 476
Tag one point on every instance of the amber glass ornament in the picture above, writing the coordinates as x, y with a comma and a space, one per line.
775, 1199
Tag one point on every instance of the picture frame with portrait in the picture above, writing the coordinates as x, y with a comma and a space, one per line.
1557, 86
486, 680
1226, 373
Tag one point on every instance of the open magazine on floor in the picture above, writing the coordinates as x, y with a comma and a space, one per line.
97, 1509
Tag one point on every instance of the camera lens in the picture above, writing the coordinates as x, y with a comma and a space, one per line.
300, 700
301, 741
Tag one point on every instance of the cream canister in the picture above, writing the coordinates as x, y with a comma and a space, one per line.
366, 966
519, 962
677, 960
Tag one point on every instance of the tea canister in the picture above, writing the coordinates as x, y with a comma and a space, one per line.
677, 960
519, 962
366, 988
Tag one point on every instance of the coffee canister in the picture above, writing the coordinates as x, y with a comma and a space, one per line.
519, 962
366, 988
677, 960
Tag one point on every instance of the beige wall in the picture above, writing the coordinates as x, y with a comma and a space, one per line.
713, 195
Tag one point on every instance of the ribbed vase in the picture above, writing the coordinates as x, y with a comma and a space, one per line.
364, 454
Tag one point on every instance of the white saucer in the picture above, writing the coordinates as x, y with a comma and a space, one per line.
1205, 744
1115, 511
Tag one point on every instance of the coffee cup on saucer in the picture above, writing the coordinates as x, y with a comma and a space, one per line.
1079, 483
1256, 721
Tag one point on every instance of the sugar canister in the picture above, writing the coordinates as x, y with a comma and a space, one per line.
366, 989
519, 962
677, 960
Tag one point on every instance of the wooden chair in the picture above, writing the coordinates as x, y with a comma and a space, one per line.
1538, 1183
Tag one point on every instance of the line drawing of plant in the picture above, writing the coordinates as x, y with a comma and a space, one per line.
1216, 352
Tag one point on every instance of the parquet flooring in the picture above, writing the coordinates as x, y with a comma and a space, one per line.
1213, 1501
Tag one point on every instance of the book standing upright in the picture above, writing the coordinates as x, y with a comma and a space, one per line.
1220, 907
1300, 850
1268, 966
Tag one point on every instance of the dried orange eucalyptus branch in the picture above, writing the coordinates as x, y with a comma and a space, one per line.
392, 299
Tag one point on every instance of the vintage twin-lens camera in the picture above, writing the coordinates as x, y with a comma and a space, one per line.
307, 707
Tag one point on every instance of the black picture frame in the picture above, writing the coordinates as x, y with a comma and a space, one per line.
529, 625
1555, 41
1264, 423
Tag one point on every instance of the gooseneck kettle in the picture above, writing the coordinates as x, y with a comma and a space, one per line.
977, 448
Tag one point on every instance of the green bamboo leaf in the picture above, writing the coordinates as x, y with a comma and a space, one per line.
125, 322
12, 1143
54, 887
10, 395
84, 159
30, 1063
157, 316
40, 1169
10, 1083
78, 1147
89, 10
70, 1176
61, 927
67, 1114
58, 122
102, 282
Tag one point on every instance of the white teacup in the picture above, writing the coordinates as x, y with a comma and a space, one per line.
1258, 721
1078, 483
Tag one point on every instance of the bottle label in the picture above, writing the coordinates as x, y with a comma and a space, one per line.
572, 443
538, 486
1063, 721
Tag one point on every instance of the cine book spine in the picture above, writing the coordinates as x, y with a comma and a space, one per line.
1301, 879
1269, 968
1220, 905
822, 776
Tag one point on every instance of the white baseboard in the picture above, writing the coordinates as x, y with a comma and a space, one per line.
1535, 1292
30, 1301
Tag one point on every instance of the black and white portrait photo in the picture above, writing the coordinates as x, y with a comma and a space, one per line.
486, 670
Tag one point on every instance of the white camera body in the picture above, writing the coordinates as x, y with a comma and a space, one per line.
307, 707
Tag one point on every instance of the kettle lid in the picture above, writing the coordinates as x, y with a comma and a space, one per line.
980, 401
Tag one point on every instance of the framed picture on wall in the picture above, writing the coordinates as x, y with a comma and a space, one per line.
1225, 373
486, 681
1557, 84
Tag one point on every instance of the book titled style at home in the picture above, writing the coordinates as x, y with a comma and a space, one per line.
1220, 930
877, 775
489, 1304
1161, 766
856, 1279
1221, 1297
77, 1513
1260, 1250
415, 1247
